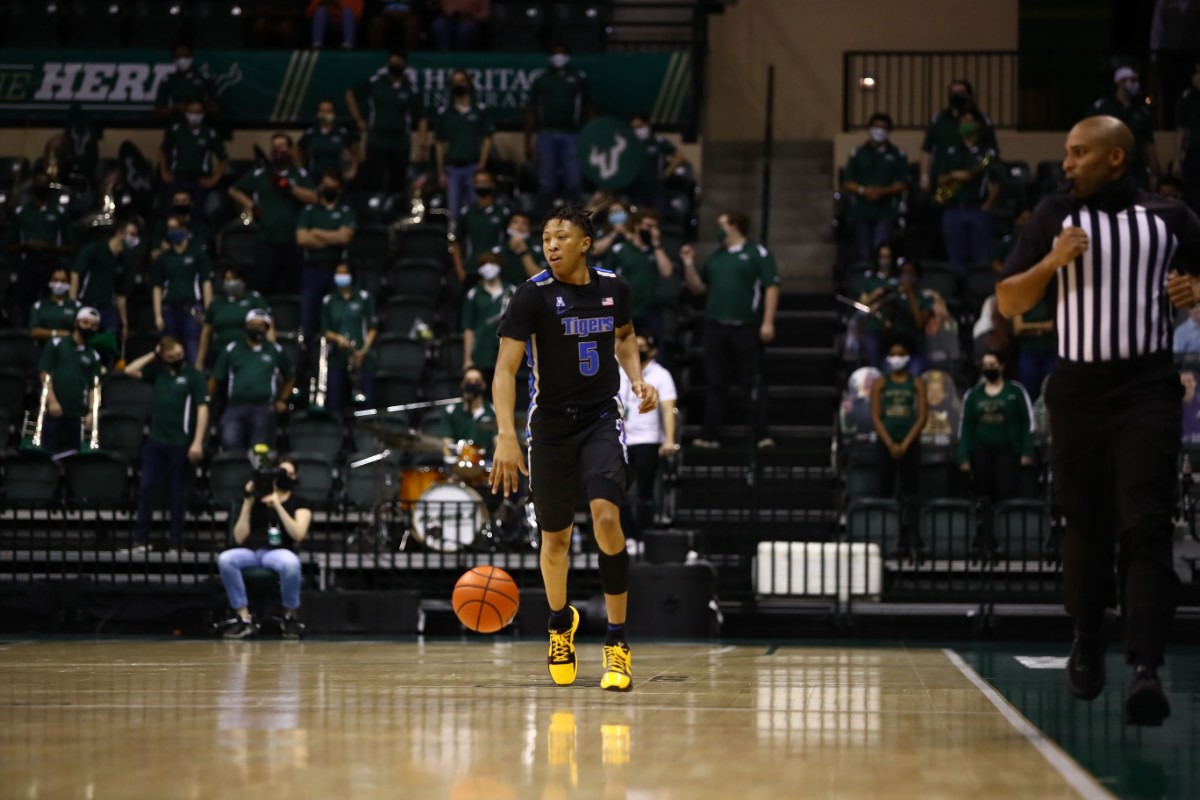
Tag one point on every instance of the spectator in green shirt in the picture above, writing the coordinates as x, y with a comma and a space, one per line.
473, 419
876, 175
350, 325
641, 261
40, 237
741, 284
72, 365
521, 257
560, 102
192, 157
899, 409
942, 132
225, 317
966, 221
328, 146
325, 230
183, 86
386, 107
181, 287
482, 308
98, 278
53, 317
259, 378
480, 227
1126, 104
464, 142
176, 442
659, 164
275, 195
198, 231
995, 437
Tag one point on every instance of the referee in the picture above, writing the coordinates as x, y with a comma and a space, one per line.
1114, 401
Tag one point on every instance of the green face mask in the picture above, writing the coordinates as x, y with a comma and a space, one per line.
720, 234
968, 129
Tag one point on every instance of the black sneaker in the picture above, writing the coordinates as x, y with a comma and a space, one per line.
238, 628
291, 628
1085, 666
1146, 703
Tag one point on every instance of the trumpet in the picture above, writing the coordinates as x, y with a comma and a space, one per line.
945, 193
90, 440
31, 429
318, 386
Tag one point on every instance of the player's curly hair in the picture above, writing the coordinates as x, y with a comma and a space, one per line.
577, 216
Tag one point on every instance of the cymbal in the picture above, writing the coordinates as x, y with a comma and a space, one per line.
401, 440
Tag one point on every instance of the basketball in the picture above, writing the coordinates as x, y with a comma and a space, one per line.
485, 599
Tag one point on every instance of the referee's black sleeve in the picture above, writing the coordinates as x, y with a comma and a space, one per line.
1038, 235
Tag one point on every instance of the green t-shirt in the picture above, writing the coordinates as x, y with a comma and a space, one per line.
1004, 420
33, 223
736, 278
658, 154
181, 274
192, 153
870, 283
637, 266
253, 375
481, 230
101, 274
72, 369
899, 313
463, 132
481, 313
278, 207
1136, 117
460, 424
1042, 311
321, 217
872, 165
198, 229
353, 317
971, 158
512, 266
180, 88
392, 109
1188, 117
561, 97
324, 150
54, 316
227, 316
177, 398
898, 407
942, 132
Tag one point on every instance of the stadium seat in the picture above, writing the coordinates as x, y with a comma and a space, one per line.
401, 315
423, 243
862, 480
948, 527
140, 341
227, 476
122, 432
93, 23
443, 388
96, 479
366, 486
30, 480
294, 349
416, 279
1022, 529
368, 276
17, 351
218, 24
399, 354
518, 25
13, 385
34, 23
235, 244
979, 285
316, 475
285, 312
121, 392
938, 276
580, 26
316, 433
394, 390
371, 244
937, 475
450, 357
874, 521
152, 22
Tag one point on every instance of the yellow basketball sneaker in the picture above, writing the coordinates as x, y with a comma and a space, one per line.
561, 661
618, 669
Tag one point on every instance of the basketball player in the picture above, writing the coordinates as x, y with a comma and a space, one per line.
572, 323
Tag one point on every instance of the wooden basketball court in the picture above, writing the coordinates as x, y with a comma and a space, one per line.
480, 719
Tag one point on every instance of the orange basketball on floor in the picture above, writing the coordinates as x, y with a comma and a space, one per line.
485, 599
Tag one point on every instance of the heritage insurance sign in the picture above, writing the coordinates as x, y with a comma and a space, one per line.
283, 87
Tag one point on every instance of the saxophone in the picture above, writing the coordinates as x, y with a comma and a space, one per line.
945, 193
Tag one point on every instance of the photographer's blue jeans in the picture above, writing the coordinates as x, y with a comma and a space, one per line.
244, 425
163, 465
285, 562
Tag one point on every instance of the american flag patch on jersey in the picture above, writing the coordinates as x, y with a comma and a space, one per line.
608, 301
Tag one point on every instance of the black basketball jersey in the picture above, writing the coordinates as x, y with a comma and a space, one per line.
570, 338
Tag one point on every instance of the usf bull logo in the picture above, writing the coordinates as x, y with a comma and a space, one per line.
611, 156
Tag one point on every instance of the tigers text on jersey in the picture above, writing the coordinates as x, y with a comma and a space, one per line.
570, 337
1112, 302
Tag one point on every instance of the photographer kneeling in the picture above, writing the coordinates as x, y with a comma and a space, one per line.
271, 524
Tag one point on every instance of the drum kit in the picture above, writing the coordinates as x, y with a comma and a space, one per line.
443, 498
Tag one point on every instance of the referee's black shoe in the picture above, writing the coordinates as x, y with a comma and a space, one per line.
1146, 703
1085, 666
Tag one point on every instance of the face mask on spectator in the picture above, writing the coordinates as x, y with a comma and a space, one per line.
484, 191
329, 193
885, 264
1133, 88
721, 234
644, 355
461, 91
234, 288
40, 192
177, 236
642, 133
325, 119
472, 389
255, 334
86, 333
968, 129
182, 210
174, 364
183, 63
515, 234
489, 272
879, 135
897, 363
396, 70
991, 374
194, 119
281, 159
343, 281
131, 242
59, 288
959, 101
617, 218
560, 60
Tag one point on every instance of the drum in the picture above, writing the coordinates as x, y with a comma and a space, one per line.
415, 480
468, 462
448, 517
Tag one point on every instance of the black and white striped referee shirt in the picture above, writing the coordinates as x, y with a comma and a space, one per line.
1111, 302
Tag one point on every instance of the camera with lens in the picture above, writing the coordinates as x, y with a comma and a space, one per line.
266, 471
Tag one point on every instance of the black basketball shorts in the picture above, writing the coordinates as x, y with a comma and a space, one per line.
566, 450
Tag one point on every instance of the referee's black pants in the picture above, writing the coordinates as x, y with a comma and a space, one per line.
1116, 433
731, 357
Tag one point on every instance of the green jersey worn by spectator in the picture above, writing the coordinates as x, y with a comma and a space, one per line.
352, 316
192, 152
277, 206
101, 274
252, 374
876, 166
459, 423
55, 313
48, 223
561, 97
178, 395
898, 407
181, 275
321, 217
226, 315
481, 230
942, 133
185, 86
1001, 420
637, 266
325, 148
481, 314
737, 278
391, 107
72, 369
971, 158
463, 132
